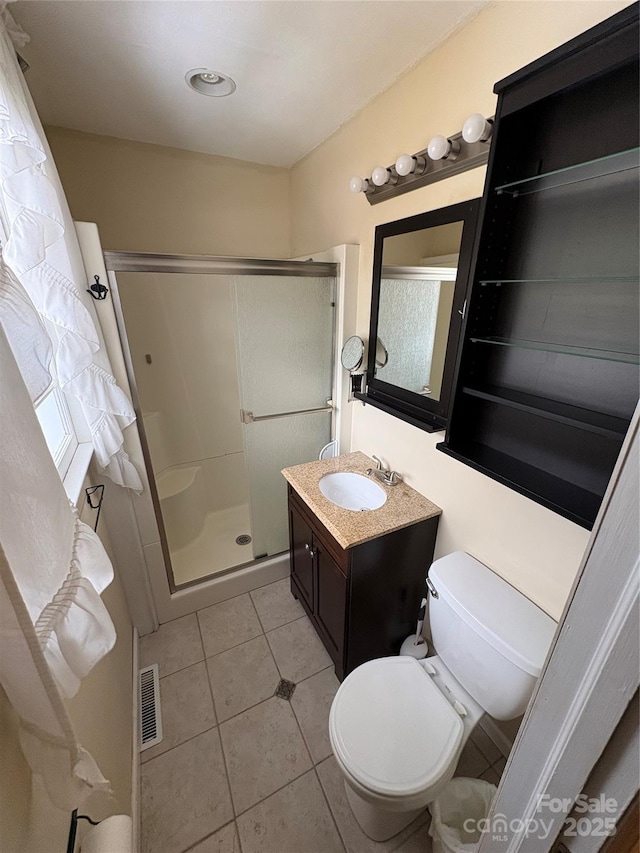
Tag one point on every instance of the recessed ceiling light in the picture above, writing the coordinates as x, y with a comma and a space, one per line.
211, 83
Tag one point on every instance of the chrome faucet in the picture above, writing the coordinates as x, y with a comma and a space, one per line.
386, 476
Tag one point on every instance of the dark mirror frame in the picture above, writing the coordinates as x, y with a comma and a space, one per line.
427, 414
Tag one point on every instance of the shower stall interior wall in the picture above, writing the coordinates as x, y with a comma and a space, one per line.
233, 374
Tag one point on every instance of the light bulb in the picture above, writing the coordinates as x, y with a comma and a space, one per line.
380, 176
408, 165
441, 148
359, 185
438, 147
405, 164
210, 83
477, 128
209, 77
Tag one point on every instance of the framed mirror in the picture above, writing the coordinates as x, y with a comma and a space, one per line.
421, 269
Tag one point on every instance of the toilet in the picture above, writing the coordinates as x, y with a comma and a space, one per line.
398, 725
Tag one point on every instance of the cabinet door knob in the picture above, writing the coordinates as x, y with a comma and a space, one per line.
307, 547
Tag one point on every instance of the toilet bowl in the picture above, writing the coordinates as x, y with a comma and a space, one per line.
398, 725
397, 731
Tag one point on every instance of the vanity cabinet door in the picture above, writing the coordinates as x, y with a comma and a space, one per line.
301, 556
331, 604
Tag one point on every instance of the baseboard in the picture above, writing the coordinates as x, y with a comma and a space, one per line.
217, 589
135, 745
493, 731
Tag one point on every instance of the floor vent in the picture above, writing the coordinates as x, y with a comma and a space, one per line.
244, 539
150, 716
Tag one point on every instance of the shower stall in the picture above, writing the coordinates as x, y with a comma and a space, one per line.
231, 365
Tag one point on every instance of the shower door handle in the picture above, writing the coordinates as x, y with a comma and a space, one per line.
247, 417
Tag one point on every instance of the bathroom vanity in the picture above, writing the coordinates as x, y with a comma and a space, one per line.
360, 576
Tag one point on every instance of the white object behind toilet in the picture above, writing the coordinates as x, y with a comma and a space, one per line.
113, 835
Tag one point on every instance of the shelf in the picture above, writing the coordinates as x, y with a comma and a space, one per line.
565, 498
405, 412
584, 419
542, 346
599, 279
602, 167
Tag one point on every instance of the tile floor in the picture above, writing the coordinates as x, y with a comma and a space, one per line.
241, 770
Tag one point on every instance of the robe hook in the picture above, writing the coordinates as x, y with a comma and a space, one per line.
98, 290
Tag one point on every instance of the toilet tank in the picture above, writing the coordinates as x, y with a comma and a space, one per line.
492, 639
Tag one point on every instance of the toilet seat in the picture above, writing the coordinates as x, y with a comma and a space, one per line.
393, 730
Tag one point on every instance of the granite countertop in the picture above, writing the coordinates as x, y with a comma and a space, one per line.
404, 506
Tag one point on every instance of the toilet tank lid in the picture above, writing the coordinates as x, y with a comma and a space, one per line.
496, 611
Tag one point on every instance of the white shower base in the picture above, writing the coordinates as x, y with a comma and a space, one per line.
214, 550
182, 497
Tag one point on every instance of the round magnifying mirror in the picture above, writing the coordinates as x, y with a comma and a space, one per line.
382, 356
352, 353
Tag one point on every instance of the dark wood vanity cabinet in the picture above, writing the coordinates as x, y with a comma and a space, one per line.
363, 601
547, 379
318, 580
303, 571
330, 610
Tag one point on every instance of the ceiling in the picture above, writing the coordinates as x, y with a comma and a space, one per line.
302, 67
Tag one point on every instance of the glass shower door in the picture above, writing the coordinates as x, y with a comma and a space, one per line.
285, 363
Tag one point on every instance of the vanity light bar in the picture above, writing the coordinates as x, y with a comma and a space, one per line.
442, 158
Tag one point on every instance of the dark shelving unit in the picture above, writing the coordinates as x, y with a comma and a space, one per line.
548, 373
601, 424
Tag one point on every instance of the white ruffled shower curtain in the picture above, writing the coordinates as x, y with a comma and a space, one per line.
54, 626
43, 253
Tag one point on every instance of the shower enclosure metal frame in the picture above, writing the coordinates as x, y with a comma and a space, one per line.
149, 262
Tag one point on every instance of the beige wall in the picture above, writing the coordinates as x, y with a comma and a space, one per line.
101, 713
102, 710
15, 790
412, 249
149, 198
535, 549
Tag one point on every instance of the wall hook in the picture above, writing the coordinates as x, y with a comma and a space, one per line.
90, 492
98, 290
73, 828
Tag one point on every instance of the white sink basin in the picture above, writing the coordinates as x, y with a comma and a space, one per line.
352, 491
